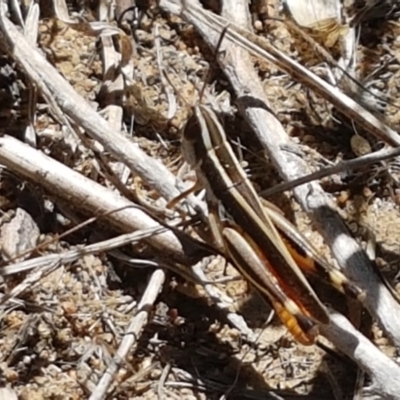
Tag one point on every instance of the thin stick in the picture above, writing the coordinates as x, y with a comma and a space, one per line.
72, 255
380, 155
217, 47
132, 334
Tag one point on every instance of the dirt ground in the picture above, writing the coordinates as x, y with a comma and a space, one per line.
58, 337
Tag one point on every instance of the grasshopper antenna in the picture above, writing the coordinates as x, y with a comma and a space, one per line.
212, 66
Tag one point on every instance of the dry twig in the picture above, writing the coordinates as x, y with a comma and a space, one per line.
359, 162
85, 194
132, 334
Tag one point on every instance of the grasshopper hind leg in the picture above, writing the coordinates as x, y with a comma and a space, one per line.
308, 258
302, 328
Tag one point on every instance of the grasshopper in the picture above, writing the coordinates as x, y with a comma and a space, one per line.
265, 248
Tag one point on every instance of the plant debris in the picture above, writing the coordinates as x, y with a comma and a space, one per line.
99, 298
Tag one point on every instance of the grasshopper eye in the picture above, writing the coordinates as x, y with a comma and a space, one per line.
190, 136
192, 130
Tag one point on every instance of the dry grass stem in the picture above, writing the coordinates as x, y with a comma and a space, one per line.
344, 166
132, 334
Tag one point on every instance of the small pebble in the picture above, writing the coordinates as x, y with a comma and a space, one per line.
360, 146
258, 25
367, 192
343, 197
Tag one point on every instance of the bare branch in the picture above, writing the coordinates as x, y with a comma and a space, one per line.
359, 162
132, 334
